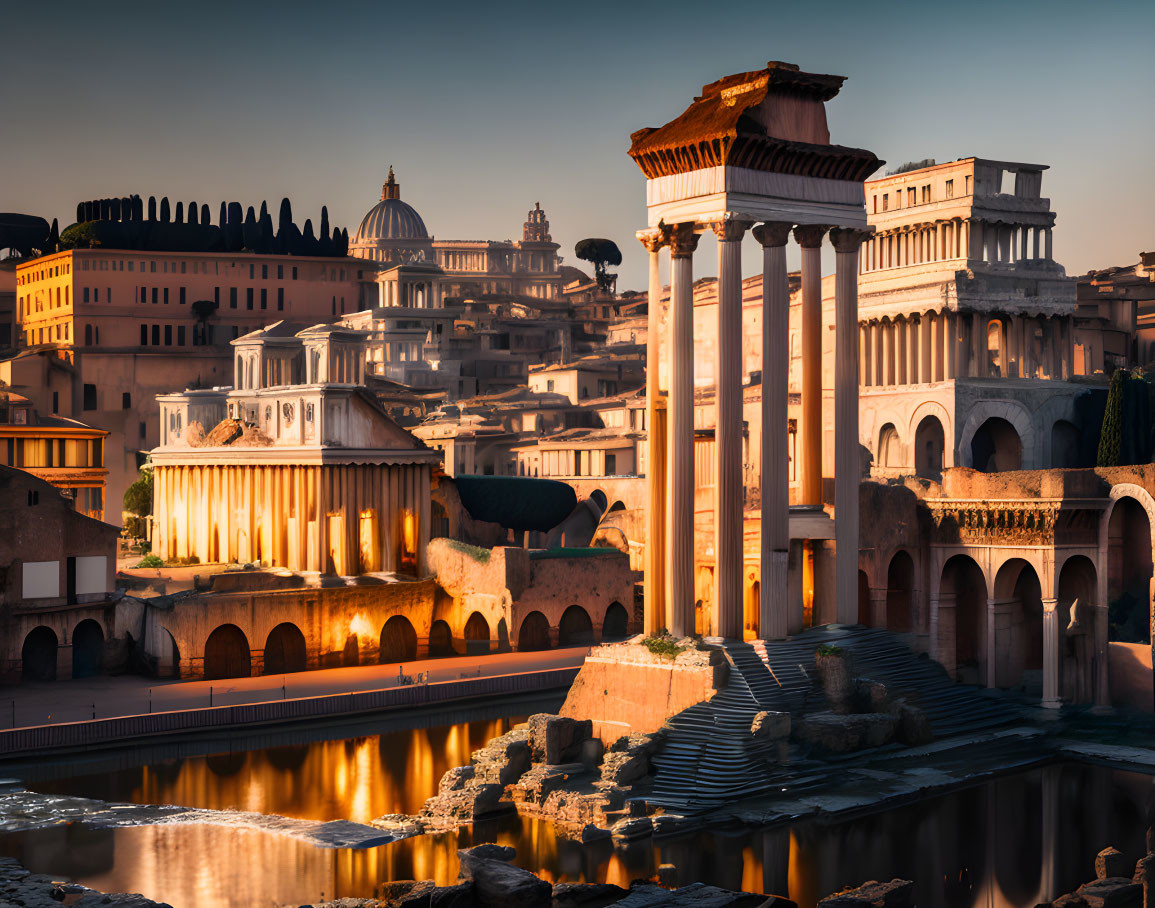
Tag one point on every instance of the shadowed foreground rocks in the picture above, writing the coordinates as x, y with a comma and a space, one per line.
487, 880
38, 890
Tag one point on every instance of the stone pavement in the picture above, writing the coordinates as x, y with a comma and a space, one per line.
47, 703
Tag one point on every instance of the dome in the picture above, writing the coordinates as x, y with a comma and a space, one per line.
392, 219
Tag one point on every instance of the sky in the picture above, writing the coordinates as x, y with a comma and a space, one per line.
484, 109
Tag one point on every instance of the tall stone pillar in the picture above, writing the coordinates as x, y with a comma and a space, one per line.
728, 498
876, 372
1051, 696
680, 435
943, 630
847, 465
980, 365
950, 345
1047, 250
864, 354
925, 346
774, 602
809, 238
655, 564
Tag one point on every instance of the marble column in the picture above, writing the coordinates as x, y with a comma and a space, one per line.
728, 491
949, 346
926, 346
912, 366
888, 332
847, 463
876, 358
1051, 696
809, 238
864, 354
773, 617
680, 436
1047, 250
655, 592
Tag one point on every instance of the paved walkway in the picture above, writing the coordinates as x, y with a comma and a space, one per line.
53, 702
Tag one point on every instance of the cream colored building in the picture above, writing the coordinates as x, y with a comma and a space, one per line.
298, 467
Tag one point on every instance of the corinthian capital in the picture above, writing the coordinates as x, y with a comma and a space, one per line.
809, 236
773, 233
730, 230
683, 240
654, 238
848, 239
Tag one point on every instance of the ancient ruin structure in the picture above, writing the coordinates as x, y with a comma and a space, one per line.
754, 147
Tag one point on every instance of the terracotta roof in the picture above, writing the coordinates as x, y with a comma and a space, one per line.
716, 129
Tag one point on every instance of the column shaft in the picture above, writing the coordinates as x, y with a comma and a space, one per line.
680, 439
728, 499
655, 564
1051, 696
810, 238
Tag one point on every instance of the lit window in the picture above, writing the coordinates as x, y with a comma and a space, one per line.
950, 189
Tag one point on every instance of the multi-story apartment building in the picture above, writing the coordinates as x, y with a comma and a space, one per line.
103, 330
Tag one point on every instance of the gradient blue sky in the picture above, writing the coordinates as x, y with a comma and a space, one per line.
485, 108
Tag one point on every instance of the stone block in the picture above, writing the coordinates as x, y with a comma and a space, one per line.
557, 739
913, 726
895, 894
455, 779
497, 884
455, 808
835, 733
770, 725
586, 895
407, 893
834, 671
492, 852
1110, 863
459, 896
1111, 892
504, 759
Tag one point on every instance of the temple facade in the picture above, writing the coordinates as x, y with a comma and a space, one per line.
298, 466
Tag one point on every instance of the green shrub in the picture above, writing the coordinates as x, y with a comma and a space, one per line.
150, 561
663, 645
828, 649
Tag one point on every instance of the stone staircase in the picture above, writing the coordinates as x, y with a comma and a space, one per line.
711, 758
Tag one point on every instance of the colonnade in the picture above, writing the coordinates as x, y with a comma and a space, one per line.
669, 580
996, 242
945, 344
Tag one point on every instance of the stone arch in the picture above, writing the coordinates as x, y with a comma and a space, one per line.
38, 654
1007, 410
996, 447
1077, 595
962, 614
616, 622
476, 635
1064, 445
533, 634
889, 447
285, 650
227, 654
440, 639
575, 627
87, 649
900, 593
166, 652
398, 641
1018, 624
1127, 529
929, 448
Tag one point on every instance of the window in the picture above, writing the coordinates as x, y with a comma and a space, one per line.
281, 299
294, 272
152, 267
168, 335
182, 267
166, 296
144, 294
156, 335
264, 272
967, 185
251, 268
232, 297
248, 297
280, 272
180, 335
182, 296
107, 299
154, 296
264, 298
950, 189
90, 397
55, 401
88, 335
926, 194
549, 385
143, 429
86, 294
611, 465
910, 196
125, 400
144, 335
130, 266
885, 201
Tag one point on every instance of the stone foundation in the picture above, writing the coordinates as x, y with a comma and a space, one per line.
625, 689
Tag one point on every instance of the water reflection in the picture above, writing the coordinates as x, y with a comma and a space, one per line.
1013, 842
353, 778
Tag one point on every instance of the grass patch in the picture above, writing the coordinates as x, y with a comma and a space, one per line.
150, 561
476, 552
828, 649
663, 645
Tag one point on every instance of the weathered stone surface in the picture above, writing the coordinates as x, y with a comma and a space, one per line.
913, 726
456, 779
399, 825
535, 787
407, 893
1111, 892
895, 894
497, 884
586, 895
771, 725
632, 828
557, 739
459, 896
492, 852
504, 759
455, 808
837, 684
837, 733
1110, 863
590, 753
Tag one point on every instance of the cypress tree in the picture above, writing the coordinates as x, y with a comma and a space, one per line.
205, 216
224, 219
137, 208
264, 211
54, 237
1111, 436
324, 222
251, 231
126, 208
79, 212
193, 212
179, 213
152, 208
268, 241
